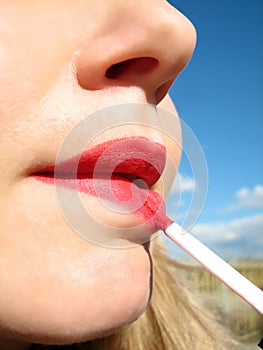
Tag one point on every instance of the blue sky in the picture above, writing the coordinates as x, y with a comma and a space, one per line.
220, 96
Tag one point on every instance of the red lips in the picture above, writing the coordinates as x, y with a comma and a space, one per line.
112, 170
134, 158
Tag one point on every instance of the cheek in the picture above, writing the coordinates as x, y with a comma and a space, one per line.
70, 292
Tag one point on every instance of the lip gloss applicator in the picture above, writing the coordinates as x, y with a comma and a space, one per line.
206, 257
216, 265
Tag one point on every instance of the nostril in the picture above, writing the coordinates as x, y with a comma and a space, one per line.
118, 68
140, 65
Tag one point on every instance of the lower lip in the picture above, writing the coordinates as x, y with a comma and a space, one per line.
145, 203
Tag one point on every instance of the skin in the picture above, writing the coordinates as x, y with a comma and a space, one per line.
57, 288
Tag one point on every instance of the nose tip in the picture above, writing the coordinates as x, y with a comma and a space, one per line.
143, 49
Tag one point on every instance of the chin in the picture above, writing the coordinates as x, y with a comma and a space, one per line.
79, 327
83, 303
76, 330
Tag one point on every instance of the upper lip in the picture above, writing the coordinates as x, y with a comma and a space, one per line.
132, 157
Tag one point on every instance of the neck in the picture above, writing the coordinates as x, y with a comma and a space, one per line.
12, 344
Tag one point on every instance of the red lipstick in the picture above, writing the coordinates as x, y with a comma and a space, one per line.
120, 171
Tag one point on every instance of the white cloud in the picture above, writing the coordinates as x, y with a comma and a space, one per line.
183, 184
237, 238
232, 239
246, 199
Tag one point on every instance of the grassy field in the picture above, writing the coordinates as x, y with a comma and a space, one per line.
238, 316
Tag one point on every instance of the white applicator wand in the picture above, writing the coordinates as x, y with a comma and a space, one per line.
155, 211
217, 266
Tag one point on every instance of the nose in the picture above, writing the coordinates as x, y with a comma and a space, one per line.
146, 47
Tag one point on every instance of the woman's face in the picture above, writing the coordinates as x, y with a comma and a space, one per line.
56, 65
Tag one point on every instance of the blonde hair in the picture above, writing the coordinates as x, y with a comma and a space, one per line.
174, 320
